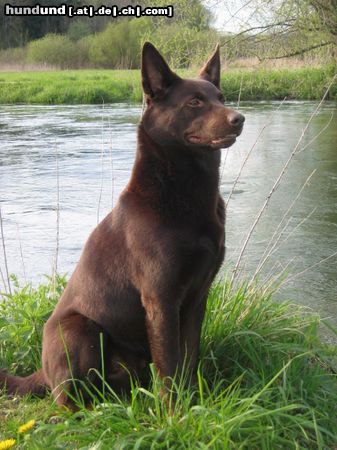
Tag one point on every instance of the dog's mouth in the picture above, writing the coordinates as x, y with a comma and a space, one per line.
214, 142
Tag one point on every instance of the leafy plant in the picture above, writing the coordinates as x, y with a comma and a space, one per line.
22, 316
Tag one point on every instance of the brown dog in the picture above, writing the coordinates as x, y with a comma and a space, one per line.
144, 275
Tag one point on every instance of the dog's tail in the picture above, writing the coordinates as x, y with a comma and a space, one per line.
33, 384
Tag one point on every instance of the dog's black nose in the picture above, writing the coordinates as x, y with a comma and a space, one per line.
236, 119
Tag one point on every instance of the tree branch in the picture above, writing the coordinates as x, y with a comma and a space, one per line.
262, 28
300, 52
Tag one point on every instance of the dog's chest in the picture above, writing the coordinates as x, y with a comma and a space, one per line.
200, 260
207, 245
206, 250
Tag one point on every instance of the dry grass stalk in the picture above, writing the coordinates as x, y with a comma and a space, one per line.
278, 180
272, 282
269, 251
111, 166
21, 253
23, 67
224, 164
250, 152
102, 166
143, 106
5, 254
57, 245
291, 232
318, 263
318, 134
3, 282
239, 96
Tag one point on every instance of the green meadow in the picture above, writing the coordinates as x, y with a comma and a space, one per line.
265, 381
110, 86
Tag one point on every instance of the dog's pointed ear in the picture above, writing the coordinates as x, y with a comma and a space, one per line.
156, 74
211, 70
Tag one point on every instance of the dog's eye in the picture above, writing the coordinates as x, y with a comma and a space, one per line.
195, 102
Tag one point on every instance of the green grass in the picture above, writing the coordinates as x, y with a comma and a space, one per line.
70, 87
264, 382
109, 86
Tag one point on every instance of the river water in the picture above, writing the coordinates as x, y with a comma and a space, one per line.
88, 152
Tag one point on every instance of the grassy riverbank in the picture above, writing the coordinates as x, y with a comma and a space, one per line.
109, 86
265, 382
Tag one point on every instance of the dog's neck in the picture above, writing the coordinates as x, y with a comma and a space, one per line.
174, 174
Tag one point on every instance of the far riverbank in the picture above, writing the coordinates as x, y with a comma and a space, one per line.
114, 86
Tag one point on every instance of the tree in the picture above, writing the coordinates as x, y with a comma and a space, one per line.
17, 31
284, 28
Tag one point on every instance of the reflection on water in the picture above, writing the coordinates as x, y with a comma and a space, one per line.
95, 147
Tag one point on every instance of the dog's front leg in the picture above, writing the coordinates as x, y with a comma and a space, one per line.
190, 325
162, 322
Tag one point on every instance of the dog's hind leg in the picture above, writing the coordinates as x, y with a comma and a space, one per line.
124, 365
32, 384
71, 353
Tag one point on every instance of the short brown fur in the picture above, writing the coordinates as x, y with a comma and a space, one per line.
145, 272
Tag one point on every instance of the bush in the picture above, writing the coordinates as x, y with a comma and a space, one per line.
183, 46
82, 48
13, 56
118, 46
78, 30
55, 50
